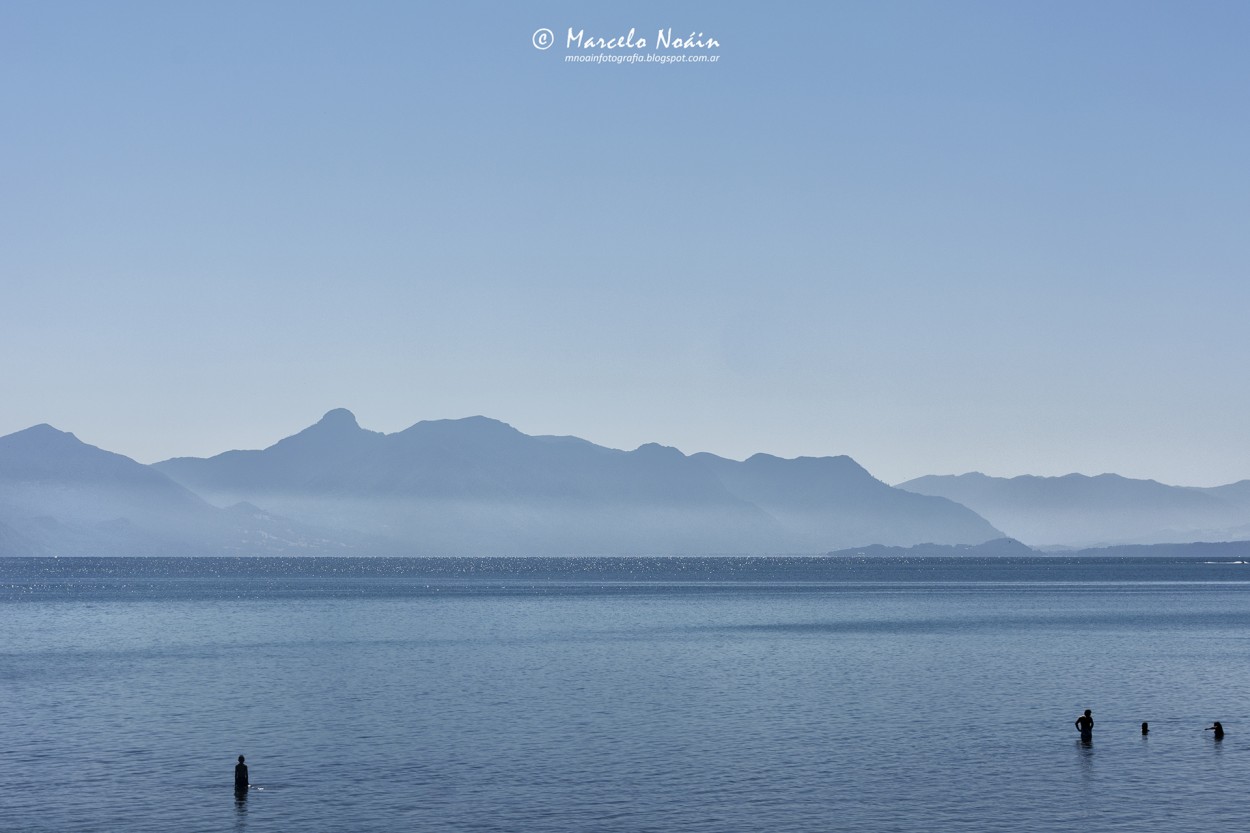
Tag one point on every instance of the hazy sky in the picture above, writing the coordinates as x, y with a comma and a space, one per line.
939, 237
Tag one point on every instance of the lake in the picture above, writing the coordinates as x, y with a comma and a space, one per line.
701, 694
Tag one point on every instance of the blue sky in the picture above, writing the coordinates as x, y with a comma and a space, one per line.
938, 237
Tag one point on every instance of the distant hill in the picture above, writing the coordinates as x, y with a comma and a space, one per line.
1080, 511
1215, 550
477, 486
998, 548
60, 496
1231, 551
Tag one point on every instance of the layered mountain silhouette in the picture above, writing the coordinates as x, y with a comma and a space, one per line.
60, 496
1080, 511
477, 486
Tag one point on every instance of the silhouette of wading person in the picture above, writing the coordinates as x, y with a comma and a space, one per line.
1085, 723
1218, 728
240, 776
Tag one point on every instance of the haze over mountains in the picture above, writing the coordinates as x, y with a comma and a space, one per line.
477, 486
1080, 511
60, 496
471, 486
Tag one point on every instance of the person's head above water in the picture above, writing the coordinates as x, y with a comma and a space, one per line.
240, 759
1088, 712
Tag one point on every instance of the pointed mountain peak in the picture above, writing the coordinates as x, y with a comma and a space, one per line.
657, 450
336, 428
339, 418
42, 428
337, 423
42, 435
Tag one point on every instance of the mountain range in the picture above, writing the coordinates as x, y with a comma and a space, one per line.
477, 486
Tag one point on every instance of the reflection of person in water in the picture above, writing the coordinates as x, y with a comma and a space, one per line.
1219, 730
1086, 724
240, 776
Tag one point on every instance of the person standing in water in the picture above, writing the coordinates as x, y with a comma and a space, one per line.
1086, 724
1219, 730
240, 776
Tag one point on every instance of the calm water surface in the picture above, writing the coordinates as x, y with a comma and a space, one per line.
632, 695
